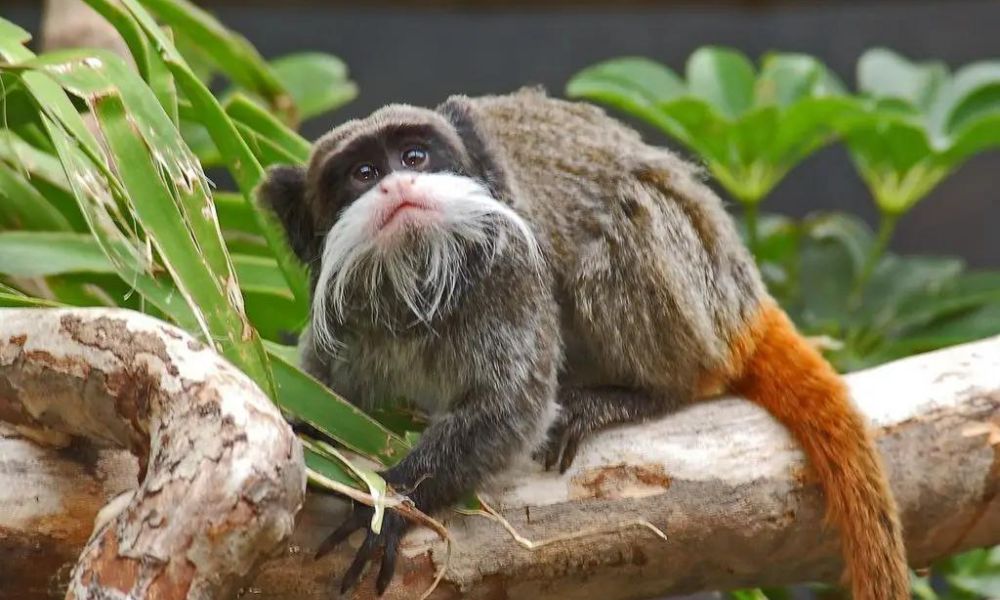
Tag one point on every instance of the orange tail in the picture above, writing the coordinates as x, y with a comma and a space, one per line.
784, 374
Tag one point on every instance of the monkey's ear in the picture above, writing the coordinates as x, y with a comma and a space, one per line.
283, 192
485, 161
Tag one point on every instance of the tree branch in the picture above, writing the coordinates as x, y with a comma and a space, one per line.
221, 472
723, 481
727, 486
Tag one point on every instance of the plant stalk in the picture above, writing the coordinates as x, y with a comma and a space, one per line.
750, 216
886, 229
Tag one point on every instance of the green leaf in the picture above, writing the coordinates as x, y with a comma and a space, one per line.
153, 163
308, 399
958, 295
628, 80
235, 214
150, 66
749, 132
239, 159
883, 73
230, 52
242, 110
25, 207
274, 313
973, 138
11, 298
787, 78
316, 81
986, 585
37, 254
724, 78
973, 93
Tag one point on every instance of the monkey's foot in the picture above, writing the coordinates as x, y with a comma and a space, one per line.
586, 410
393, 528
563, 439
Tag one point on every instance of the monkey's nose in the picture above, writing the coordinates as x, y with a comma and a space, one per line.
397, 185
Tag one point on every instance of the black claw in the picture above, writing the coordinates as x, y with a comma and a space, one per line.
569, 451
333, 540
551, 455
388, 567
360, 560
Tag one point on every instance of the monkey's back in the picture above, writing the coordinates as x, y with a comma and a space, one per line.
653, 279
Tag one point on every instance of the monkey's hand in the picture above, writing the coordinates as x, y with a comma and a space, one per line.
393, 528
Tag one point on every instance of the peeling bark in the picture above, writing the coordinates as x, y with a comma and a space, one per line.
723, 481
209, 485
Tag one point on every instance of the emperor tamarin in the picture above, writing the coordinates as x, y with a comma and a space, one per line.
527, 269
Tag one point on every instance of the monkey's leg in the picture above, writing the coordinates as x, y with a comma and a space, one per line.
584, 410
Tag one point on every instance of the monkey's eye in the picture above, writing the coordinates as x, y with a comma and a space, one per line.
365, 173
414, 157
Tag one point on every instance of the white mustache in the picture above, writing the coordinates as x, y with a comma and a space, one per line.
423, 264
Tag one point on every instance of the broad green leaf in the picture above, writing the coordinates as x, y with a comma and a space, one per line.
895, 280
806, 126
966, 326
973, 138
787, 78
724, 78
960, 294
972, 93
749, 132
883, 73
316, 81
629, 80
986, 585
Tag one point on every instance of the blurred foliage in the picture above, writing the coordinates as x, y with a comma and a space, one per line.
908, 126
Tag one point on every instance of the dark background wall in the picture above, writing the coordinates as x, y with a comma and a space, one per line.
399, 51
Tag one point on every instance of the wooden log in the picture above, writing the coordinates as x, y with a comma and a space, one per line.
209, 486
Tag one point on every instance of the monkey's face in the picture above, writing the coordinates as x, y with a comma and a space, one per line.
405, 223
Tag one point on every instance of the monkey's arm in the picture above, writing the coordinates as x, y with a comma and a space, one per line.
508, 358
477, 438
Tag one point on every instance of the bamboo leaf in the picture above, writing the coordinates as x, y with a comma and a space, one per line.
239, 158
37, 254
230, 52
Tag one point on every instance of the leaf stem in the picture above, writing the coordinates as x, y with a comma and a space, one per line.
886, 229
750, 216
